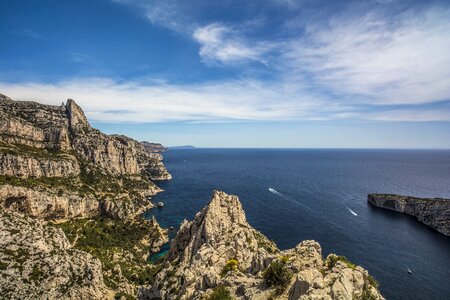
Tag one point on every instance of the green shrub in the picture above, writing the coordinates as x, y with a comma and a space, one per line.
230, 266
372, 281
220, 293
278, 275
35, 273
331, 261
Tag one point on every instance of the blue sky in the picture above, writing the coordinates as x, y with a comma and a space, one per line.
267, 73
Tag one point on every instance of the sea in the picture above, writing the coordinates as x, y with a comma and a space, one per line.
291, 195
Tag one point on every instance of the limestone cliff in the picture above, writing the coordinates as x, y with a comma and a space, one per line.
154, 147
434, 212
38, 262
220, 253
54, 159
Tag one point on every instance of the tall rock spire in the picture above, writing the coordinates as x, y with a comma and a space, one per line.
77, 118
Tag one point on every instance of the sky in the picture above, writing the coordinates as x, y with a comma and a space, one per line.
266, 73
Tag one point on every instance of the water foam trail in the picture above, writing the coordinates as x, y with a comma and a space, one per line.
274, 191
305, 207
351, 211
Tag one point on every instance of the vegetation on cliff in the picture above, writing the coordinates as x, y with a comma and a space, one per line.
122, 247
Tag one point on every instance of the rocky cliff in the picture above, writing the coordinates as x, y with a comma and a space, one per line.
434, 212
154, 147
38, 262
53, 163
219, 255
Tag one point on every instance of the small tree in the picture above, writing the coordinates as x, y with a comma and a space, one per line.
278, 275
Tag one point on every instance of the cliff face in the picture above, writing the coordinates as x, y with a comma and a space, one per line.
154, 147
433, 212
63, 165
219, 252
38, 262
66, 128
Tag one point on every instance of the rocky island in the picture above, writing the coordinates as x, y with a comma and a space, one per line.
434, 212
71, 225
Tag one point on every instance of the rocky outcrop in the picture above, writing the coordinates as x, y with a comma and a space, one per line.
47, 205
32, 167
56, 154
66, 128
434, 212
38, 262
219, 249
124, 209
153, 147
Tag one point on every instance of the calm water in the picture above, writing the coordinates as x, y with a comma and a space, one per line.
316, 191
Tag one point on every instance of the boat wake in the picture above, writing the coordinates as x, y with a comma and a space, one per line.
351, 211
273, 191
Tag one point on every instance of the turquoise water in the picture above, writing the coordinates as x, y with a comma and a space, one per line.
322, 195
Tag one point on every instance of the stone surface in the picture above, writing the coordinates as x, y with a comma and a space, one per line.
154, 147
434, 212
69, 169
24, 166
66, 128
38, 262
47, 205
203, 248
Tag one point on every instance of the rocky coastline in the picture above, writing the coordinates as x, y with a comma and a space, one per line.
74, 196
71, 225
220, 253
434, 212
53, 164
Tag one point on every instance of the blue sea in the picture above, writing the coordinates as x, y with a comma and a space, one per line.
322, 195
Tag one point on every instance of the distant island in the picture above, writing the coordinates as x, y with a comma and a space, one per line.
182, 147
434, 212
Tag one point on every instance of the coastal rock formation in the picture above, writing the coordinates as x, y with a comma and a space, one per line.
434, 212
66, 128
31, 167
38, 262
153, 147
220, 253
61, 167
45, 204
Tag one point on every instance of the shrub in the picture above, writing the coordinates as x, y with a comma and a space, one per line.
278, 275
372, 281
331, 261
230, 266
220, 293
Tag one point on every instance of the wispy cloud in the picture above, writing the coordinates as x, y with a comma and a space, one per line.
378, 60
107, 100
25, 32
371, 65
220, 43
231, 100
80, 57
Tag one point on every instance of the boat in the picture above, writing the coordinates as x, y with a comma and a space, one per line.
409, 271
160, 204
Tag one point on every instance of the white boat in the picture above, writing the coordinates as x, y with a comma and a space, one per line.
160, 204
409, 271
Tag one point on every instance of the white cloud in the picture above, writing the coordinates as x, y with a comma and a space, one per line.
219, 43
379, 60
107, 100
